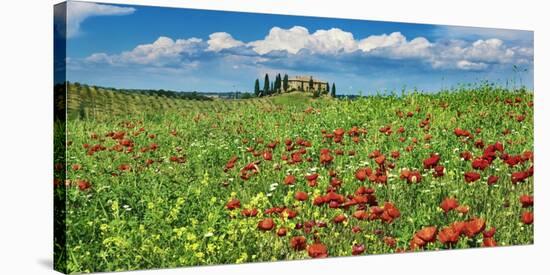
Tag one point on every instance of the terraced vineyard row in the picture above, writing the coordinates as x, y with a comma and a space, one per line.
85, 101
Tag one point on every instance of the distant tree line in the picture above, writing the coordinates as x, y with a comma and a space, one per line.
165, 93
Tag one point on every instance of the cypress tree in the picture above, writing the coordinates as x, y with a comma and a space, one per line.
285, 83
266, 85
257, 87
278, 83
333, 92
311, 83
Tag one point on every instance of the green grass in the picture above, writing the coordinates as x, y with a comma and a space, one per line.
171, 214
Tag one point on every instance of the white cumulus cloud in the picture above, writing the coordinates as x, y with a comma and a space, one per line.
222, 40
77, 12
298, 46
291, 40
331, 41
163, 51
468, 65
384, 40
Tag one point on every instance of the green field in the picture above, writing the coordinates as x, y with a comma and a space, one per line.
156, 181
85, 101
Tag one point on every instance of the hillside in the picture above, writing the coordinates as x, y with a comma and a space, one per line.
84, 101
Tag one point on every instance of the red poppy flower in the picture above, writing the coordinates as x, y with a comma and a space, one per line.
289, 180
411, 176
512, 160
520, 176
489, 242
231, 163
339, 132
290, 213
439, 171
339, 218
466, 155
83, 185
177, 159
361, 174
76, 167
471, 176
390, 212
298, 243
267, 155
266, 224
233, 204
250, 212
479, 143
492, 179
432, 161
527, 217
380, 159
319, 200
153, 146
357, 249
395, 154
463, 209
117, 148
356, 229
360, 214
126, 142
427, 234
317, 250
311, 177
489, 233
526, 200
462, 133
474, 227
448, 204
117, 135
480, 164
448, 235
389, 241
281, 232
301, 196
124, 167
275, 209
375, 154
296, 157
333, 196
416, 242
326, 158
527, 155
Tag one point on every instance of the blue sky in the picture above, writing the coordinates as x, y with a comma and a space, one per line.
214, 51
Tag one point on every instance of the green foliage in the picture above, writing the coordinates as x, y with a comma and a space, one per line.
246, 96
172, 212
316, 93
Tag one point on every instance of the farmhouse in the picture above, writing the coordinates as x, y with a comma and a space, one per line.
302, 83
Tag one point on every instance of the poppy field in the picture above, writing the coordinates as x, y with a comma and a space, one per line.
291, 177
